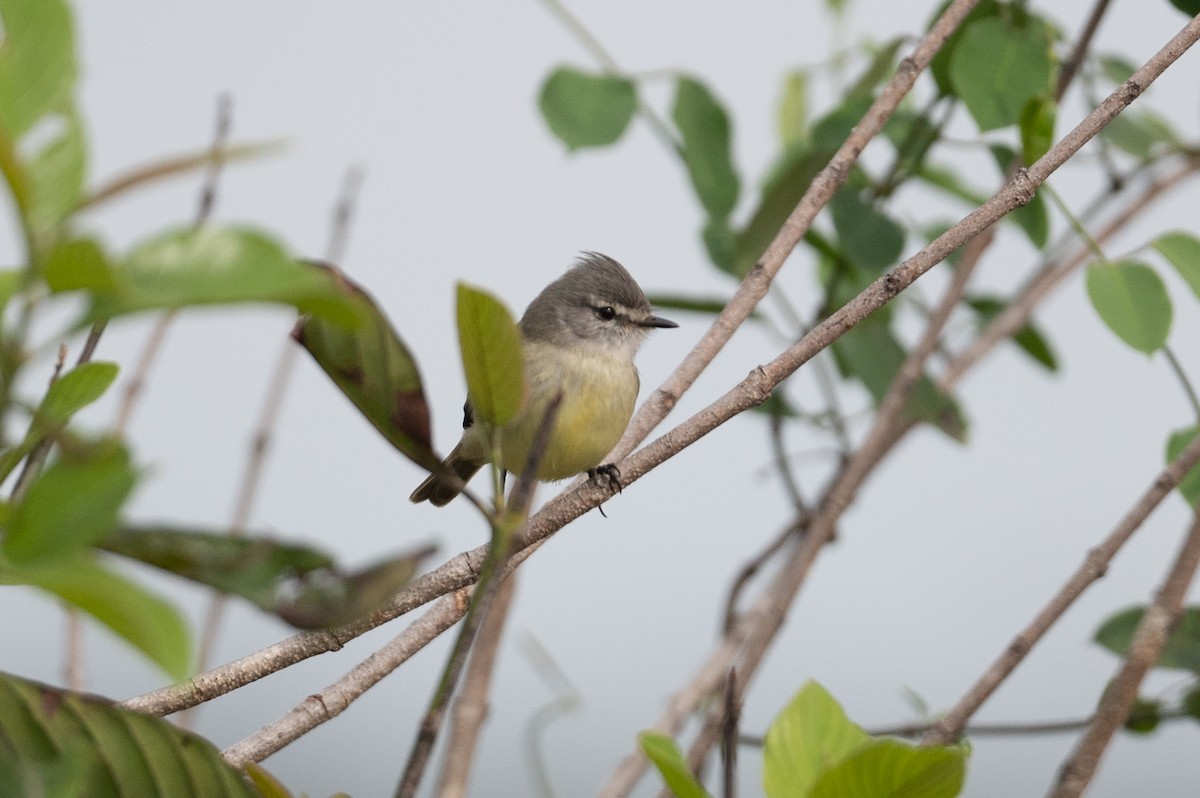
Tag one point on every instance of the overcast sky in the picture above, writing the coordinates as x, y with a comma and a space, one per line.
948, 552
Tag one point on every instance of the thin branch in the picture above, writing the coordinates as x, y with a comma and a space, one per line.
950, 726
1189, 390
757, 627
729, 735
213, 160
1024, 729
471, 706
889, 421
272, 406
1018, 312
1149, 639
334, 699
486, 588
461, 570
1079, 54
756, 283
753, 566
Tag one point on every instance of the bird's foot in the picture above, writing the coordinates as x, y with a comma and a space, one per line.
607, 475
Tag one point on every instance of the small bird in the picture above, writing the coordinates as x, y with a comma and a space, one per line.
579, 336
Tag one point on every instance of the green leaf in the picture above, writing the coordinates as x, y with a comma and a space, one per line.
77, 264
704, 127
939, 67
1029, 338
871, 354
72, 504
1189, 486
1033, 217
721, 243
491, 355
372, 367
1143, 716
912, 134
776, 405
779, 197
809, 736
1189, 7
66, 396
301, 585
1191, 703
1131, 299
56, 175
220, 265
57, 739
1141, 133
793, 109
37, 63
585, 109
1182, 250
10, 283
671, 763
832, 130
1117, 68
690, 304
880, 68
1183, 646
997, 68
136, 615
870, 238
894, 769
950, 183
1037, 127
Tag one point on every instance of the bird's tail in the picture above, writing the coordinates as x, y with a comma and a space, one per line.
439, 491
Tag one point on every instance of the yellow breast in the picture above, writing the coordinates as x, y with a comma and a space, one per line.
599, 391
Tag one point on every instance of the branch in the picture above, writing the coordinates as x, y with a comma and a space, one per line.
213, 160
491, 574
758, 626
471, 706
1020, 310
1149, 639
756, 283
334, 699
256, 458
461, 569
1093, 567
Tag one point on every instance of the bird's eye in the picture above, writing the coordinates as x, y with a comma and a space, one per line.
606, 313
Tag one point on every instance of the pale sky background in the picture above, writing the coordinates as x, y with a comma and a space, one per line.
948, 552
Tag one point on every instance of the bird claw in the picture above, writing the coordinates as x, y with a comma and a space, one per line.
607, 475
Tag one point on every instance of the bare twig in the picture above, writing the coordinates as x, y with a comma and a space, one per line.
1071, 67
756, 283
889, 421
950, 726
460, 570
1149, 639
269, 415
1018, 312
471, 706
1023, 729
751, 569
729, 735
334, 699
213, 161
486, 587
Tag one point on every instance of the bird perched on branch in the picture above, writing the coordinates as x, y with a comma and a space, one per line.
579, 336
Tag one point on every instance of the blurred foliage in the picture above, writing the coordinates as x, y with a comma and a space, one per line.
814, 751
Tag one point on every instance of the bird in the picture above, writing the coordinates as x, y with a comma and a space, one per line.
579, 337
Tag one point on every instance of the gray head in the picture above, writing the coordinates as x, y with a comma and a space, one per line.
596, 301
